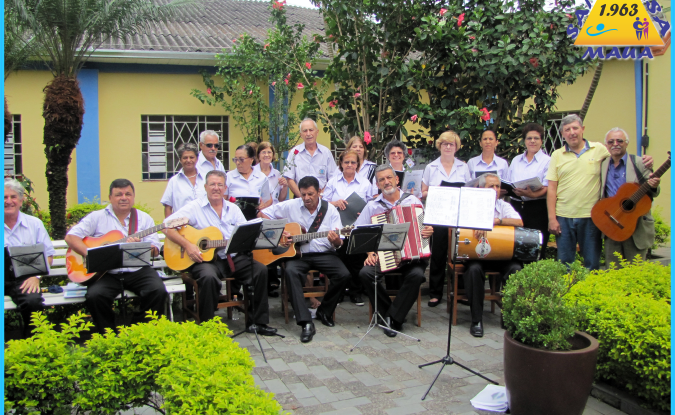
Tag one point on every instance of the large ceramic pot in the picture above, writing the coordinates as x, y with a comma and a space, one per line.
548, 382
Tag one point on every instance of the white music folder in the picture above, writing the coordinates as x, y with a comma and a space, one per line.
465, 207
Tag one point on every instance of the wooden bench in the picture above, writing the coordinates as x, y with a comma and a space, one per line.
58, 268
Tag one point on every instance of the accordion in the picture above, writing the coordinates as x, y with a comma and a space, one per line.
415, 247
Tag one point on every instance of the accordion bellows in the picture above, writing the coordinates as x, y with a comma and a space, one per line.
415, 246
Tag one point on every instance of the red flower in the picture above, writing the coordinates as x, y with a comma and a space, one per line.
314, 84
234, 40
413, 118
274, 83
460, 19
366, 137
569, 16
410, 151
333, 103
443, 11
472, 37
552, 26
534, 62
300, 85
456, 80
296, 151
208, 91
358, 94
486, 114
431, 142
308, 66
538, 82
233, 199
286, 80
266, 46
474, 50
278, 5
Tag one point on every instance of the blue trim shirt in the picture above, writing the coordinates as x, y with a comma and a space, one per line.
338, 188
435, 173
237, 186
521, 169
320, 165
180, 191
204, 166
497, 164
29, 230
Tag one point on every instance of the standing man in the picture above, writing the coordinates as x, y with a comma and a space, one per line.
314, 215
413, 272
142, 281
214, 210
616, 170
209, 144
474, 275
309, 159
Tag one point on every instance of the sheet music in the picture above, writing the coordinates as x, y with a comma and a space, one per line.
476, 208
265, 194
412, 183
270, 234
534, 183
442, 207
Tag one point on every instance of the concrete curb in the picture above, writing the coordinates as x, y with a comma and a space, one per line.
622, 401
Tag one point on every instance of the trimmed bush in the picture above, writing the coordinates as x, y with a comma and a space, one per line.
535, 312
629, 313
176, 368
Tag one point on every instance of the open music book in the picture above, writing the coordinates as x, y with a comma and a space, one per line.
465, 207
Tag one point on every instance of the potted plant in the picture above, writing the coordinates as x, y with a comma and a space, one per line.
548, 365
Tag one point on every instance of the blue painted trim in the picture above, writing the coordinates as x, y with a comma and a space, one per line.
638, 105
148, 68
88, 165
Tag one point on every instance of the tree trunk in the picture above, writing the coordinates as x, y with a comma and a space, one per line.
63, 112
591, 91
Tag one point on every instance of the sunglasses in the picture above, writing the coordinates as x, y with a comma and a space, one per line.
240, 160
216, 146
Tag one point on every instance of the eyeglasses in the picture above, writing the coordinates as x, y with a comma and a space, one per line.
611, 142
533, 138
350, 162
239, 160
266, 153
448, 145
211, 145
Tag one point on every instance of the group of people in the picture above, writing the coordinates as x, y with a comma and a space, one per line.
574, 178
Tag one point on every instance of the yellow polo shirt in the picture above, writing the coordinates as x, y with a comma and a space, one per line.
578, 179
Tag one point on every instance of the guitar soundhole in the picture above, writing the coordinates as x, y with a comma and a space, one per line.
627, 205
202, 244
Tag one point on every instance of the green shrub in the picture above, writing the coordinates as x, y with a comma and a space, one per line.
535, 312
194, 369
629, 313
661, 227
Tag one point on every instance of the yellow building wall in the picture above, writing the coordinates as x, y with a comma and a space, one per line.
25, 97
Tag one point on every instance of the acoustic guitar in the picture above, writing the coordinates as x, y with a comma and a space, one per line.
617, 216
77, 271
208, 239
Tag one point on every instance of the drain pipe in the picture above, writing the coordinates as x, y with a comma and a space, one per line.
638, 105
645, 136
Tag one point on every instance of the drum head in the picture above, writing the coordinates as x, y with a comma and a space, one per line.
527, 246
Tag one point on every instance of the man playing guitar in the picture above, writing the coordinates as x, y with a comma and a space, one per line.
413, 273
216, 211
142, 281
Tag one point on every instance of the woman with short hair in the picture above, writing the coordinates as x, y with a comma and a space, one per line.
186, 185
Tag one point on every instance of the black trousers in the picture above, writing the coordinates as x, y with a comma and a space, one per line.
413, 277
145, 283
296, 275
474, 282
26, 303
438, 261
354, 263
535, 216
209, 275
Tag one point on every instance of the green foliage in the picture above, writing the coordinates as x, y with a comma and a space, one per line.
195, 369
535, 312
629, 313
661, 227
30, 205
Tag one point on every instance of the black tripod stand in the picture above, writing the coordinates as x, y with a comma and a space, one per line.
447, 359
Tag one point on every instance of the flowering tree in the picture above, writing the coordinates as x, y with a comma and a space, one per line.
507, 58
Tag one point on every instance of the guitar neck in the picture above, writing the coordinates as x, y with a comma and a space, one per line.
216, 243
645, 187
143, 234
309, 236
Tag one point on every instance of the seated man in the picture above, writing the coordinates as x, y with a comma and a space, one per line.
318, 254
142, 281
413, 272
21, 229
474, 275
213, 210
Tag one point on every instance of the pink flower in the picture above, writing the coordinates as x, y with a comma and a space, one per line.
413, 118
286, 80
443, 11
358, 94
366, 137
289, 75
296, 151
314, 84
278, 5
472, 37
333, 103
266, 46
233, 199
300, 85
274, 83
208, 91
234, 40
538, 82
308, 66
250, 92
486, 114
460, 19
474, 50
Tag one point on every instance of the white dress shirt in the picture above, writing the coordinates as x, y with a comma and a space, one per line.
374, 207
201, 215
338, 188
320, 165
294, 210
521, 169
102, 221
29, 230
272, 181
180, 191
435, 173
498, 164
204, 166
504, 210
237, 186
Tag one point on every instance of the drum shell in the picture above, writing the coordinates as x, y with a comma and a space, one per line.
505, 243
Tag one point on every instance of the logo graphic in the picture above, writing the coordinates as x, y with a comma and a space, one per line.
483, 248
634, 26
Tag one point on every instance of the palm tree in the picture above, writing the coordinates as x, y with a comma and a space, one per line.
66, 33
591, 90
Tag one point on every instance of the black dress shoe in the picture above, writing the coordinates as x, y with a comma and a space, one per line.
356, 299
325, 320
262, 329
476, 329
308, 332
434, 303
393, 325
273, 294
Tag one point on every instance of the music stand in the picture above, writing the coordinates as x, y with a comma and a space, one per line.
447, 359
26, 261
372, 238
123, 255
244, 240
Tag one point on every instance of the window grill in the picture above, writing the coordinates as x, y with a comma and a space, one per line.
13, 161
163, 134
553, 139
